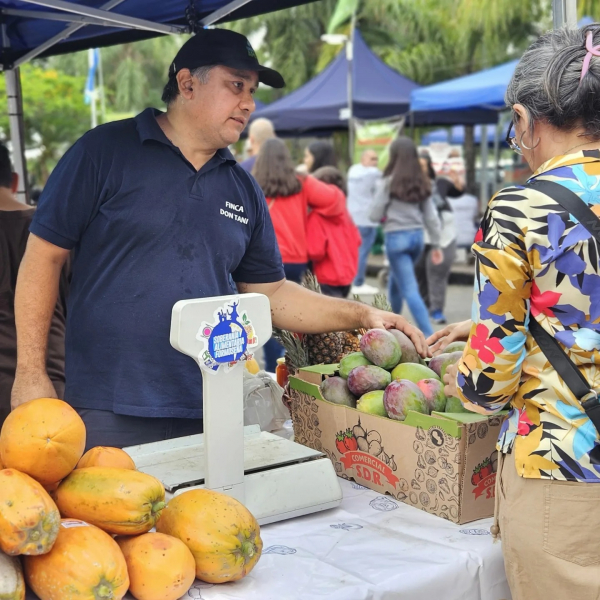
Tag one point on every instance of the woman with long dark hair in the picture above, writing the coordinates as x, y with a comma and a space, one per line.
289, 197
403, 201
319, 154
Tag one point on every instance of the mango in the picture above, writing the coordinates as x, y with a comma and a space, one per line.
356, 359
372, 403
401, 396
433, 390
367, 378
381, 348
451, 360
440, 363
454, 405
409, 352
413, 372
335, 389
455, 347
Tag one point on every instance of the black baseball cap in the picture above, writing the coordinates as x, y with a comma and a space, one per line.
222, 47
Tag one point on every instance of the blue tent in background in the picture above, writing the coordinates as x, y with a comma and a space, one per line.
317, 107
457, 135
475, 98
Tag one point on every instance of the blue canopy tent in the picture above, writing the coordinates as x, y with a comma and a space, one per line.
32, 28
321, 106
474, 98
457, 135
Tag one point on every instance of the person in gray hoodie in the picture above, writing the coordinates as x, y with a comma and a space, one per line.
403, 203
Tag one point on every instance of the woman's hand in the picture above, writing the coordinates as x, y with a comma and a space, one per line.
450, 380
437, 256
455, 332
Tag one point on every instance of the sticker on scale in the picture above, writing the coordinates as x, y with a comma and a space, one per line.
228, 339
68, 523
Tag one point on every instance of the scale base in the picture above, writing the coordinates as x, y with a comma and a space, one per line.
282, 479
291, 491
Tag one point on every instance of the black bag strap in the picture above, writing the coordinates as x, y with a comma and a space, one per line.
571, 202
557, 357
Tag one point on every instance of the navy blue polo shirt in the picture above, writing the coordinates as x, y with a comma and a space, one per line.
147, 230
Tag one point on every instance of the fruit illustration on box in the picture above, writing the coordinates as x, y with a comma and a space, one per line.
358, 439
481, 478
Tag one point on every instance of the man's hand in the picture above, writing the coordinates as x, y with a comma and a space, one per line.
381, 319
455, 332
450, 380
29, 386
297, 309
437, 256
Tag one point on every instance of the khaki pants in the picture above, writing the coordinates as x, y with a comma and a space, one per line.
550, 534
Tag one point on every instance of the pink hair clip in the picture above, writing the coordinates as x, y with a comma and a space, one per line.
591, 51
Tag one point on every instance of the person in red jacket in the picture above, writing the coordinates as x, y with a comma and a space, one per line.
333, 240
289, 198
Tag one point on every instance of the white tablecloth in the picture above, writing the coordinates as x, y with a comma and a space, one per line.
371, 548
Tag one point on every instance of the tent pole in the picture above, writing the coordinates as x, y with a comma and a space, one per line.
497, 134
564, 13
17, 130
63, 17
483, 192
223, 12
104, 15
349, 60
59, 37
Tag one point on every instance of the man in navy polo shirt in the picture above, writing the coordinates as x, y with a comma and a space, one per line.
145, 205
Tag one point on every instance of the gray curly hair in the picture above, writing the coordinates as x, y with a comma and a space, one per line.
547, 81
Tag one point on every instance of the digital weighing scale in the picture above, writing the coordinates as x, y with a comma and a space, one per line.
274, 478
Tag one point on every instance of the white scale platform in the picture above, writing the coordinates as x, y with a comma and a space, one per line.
275, 478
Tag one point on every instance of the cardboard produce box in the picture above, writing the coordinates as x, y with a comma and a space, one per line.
443, 464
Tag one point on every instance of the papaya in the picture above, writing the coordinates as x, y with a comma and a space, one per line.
84, 564
221, 532
160, 566
12, 583
119, 501
44, 438
29, 518
105, 456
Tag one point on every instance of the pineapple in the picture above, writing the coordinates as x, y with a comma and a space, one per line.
323, 348
296, 356
381, 302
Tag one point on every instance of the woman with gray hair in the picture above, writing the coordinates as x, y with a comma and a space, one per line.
535, 336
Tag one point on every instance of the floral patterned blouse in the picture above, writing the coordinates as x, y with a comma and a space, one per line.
535, 261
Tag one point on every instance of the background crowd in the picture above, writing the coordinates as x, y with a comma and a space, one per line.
327, 221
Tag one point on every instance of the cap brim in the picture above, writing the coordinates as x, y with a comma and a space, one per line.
270, 77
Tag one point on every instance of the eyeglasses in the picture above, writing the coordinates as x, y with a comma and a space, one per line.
511, 140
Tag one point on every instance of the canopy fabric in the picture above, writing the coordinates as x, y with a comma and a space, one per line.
457, 135
318, 107
26, 33
474, 98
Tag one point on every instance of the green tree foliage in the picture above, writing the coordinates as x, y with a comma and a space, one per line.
134, 74
290, 41
55, 115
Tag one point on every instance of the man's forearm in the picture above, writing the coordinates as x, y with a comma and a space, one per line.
297, 309
35, 299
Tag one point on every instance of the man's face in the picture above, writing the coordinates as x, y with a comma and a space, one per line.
220, 109
370, 159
